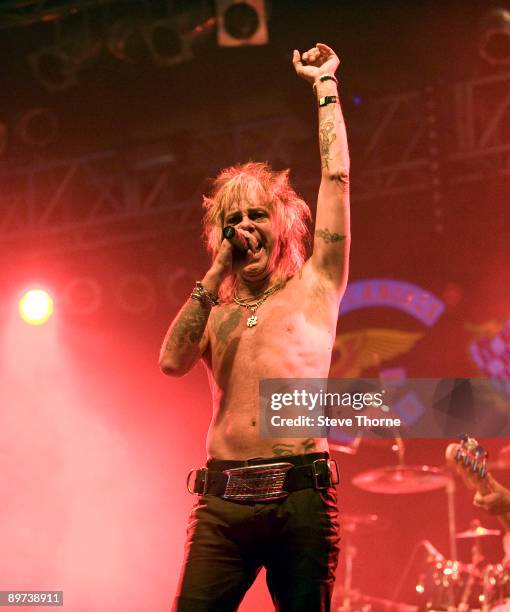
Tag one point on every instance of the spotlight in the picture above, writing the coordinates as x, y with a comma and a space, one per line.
494, 42
38, 127
36, 306
166, 45
82, 295
136, 294
241, 23
126, 42
53, 68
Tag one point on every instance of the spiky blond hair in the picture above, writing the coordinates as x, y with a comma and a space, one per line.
243, 182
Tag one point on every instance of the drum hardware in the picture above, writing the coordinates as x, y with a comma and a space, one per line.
347, 599
446, 584
403, 479
360, 602
475, 586
350, 523
477, 531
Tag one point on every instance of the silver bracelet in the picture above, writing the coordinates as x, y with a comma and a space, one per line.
325, 77
201, 294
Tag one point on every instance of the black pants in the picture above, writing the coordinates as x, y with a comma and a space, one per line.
295, 539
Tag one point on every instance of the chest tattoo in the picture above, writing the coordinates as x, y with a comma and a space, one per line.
226, 323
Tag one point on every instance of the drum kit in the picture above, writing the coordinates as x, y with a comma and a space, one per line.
443, 584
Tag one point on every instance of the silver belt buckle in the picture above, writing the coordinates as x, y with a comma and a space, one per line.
257, 482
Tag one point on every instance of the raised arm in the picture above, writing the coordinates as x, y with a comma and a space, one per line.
330, 256
187, 339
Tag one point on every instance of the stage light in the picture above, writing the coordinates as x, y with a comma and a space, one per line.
494, 42
36, 306
241, 23
165, 43
136, 293
38, 127
81, 295
53, 68
126, 42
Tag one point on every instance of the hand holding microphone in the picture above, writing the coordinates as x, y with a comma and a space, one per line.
231, 254
239, 241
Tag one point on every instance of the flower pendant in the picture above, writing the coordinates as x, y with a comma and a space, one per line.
252, 321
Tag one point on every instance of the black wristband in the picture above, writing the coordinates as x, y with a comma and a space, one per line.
327, 100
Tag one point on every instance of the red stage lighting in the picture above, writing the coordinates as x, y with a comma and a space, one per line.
36, 306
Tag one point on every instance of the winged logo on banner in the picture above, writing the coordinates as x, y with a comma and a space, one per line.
356, 351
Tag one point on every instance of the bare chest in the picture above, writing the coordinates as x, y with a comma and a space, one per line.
280, 338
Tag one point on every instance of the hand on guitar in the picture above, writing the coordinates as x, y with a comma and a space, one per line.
496, 501
469, 460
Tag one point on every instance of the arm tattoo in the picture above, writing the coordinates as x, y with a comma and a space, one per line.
326, 134
188, 328
327, 236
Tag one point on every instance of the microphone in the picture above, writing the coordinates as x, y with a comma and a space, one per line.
229, 231
233, 236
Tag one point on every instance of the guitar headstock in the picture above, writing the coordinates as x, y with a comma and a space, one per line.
469, 458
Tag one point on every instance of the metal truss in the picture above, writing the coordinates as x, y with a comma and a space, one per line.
393, 146
427, 139
481, 146
88, 202
115, 197
17, 13
419, 141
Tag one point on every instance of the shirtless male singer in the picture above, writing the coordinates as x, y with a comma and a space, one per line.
263, 310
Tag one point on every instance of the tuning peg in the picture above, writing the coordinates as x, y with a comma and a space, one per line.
481, 452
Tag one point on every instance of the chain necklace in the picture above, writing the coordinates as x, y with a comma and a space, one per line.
248, 303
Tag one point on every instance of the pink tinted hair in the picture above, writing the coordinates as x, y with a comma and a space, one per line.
239, 183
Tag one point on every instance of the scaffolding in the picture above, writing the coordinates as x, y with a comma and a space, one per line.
419, 141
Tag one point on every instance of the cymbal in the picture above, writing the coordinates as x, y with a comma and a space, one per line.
351, 522
401, 479
359, 519
351, 447
478, 532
